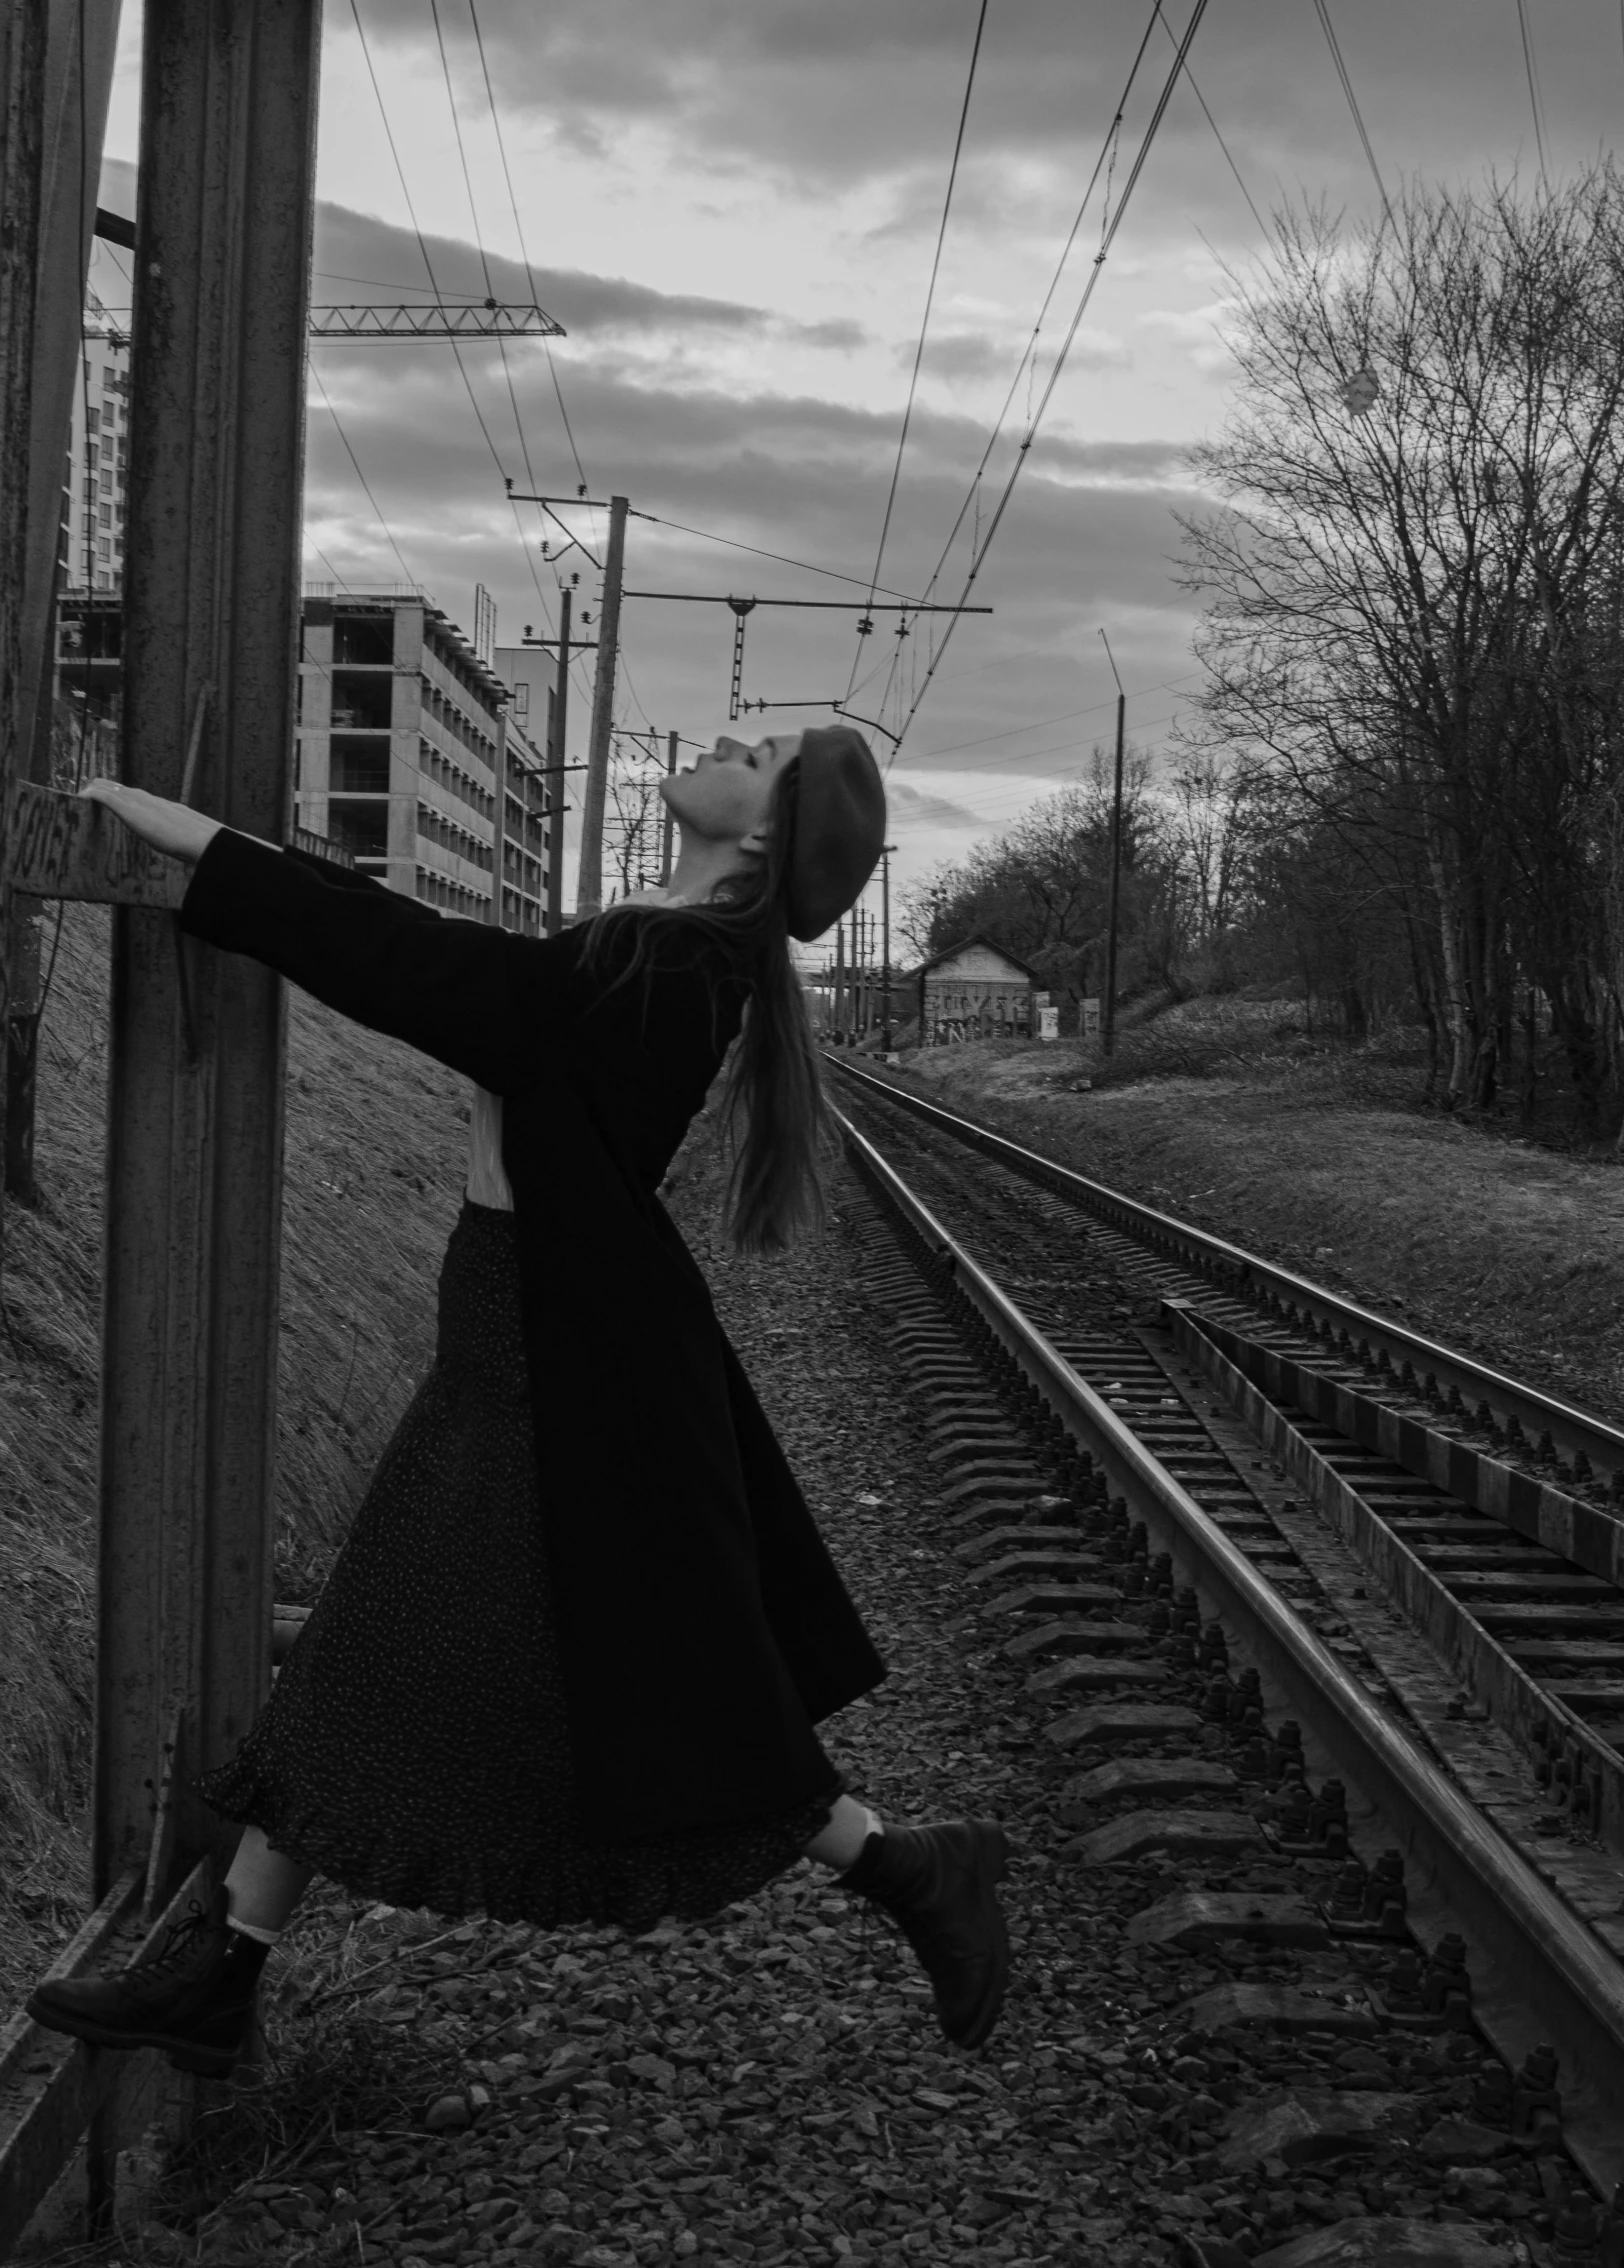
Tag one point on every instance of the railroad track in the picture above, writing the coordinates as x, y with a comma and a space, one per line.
1207, 1578
1492, 1513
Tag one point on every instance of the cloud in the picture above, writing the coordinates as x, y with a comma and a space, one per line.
925, 808
352, 246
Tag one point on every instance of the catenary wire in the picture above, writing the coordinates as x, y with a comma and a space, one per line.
338, 427
1189, 80
1322, 8
709, 535
1108, 238
1533, 83
924, 324
1048, 299
501, 144
490, 292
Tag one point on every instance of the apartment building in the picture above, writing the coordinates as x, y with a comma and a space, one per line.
410, 760
93, 487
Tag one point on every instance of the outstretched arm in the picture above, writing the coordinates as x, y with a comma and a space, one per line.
472, 996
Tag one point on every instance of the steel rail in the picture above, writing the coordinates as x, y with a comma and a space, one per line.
1571, 1430
1530, 1949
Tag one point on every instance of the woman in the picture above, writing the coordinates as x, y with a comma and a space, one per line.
567, 1665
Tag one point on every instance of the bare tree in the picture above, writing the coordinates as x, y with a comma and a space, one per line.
1414, 605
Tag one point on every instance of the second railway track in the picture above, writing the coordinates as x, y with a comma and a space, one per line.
1239, 1506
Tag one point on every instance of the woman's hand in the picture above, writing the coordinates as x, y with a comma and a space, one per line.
173, 828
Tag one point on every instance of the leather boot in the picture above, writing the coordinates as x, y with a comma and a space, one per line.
939, 1886
193, 1998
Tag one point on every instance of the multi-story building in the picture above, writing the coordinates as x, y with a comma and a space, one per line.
94, 479
409, 757
531, 793
403, 734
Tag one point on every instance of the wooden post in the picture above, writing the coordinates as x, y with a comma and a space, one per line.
589, 883
195, 1085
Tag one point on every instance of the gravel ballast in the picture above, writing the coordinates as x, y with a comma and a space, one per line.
772, 2086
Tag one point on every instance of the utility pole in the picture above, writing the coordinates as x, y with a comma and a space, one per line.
840, 978
885, 948
665, 852
589, 881
558, 712
1108, 1004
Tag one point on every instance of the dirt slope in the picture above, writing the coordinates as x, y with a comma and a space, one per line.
375, 1149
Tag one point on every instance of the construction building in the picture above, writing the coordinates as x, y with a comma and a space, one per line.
409, 757
94, 478
404, 731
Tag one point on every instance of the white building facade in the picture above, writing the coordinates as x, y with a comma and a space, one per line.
96, 473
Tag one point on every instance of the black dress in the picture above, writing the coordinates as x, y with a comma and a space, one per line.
415, 1746
566, 1669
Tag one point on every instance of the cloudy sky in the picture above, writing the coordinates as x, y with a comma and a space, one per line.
732, 206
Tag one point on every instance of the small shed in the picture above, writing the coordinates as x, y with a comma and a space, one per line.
974, 990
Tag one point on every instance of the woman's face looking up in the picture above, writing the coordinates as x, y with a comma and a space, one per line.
726, 793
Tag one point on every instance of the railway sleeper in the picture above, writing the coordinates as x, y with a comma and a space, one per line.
1114, 1722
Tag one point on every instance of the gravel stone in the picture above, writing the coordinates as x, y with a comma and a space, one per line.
771, 2086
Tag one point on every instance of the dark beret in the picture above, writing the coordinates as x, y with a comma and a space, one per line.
839, 828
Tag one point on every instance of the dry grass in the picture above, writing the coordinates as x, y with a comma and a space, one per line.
374, 1174
1323, 1160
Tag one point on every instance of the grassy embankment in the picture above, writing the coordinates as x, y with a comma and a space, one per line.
375, 1151
1324, 1160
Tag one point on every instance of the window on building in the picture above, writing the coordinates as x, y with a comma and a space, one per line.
104, 515
104, 547
92, 420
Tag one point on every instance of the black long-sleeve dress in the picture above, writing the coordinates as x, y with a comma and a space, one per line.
568, 1663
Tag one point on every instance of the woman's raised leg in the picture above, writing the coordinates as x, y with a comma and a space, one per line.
940, 1885
263, 1886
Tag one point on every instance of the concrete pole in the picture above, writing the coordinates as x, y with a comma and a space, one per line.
558, 713
665, 850
1108, 1004
589, 882
885, 949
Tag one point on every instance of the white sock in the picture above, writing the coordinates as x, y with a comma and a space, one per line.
247, 1929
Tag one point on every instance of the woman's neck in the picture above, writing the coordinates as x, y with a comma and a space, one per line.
700, 866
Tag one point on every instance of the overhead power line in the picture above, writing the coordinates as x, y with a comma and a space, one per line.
1035, 420
1322, 8
1189, 80
924, 324
360, 475
973, 491
708, 535
1533, 83
524, 250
